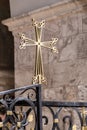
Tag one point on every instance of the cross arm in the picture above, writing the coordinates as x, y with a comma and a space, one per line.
26, 42
50, 44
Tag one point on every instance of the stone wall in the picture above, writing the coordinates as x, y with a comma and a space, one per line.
66, 71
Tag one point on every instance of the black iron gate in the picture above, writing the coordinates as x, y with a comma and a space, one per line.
10, 118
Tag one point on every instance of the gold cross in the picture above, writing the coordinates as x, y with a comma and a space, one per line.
39, 72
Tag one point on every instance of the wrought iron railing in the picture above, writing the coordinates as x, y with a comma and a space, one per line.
25, 111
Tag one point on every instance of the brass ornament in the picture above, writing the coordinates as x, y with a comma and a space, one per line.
30, 118
74, 127
1, 124
8, 125
19, 124
84, 113
9, 112
38, 77
56, 120
31, 128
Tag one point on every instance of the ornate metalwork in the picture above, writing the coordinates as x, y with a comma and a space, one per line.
39, 72
19, 119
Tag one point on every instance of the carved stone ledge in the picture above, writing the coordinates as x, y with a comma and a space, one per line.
48, 13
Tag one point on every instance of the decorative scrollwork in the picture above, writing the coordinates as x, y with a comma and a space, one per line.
30, 94
20, 119
22, 112
65, 116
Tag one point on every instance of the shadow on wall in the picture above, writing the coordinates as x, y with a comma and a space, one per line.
6, 49
6, 39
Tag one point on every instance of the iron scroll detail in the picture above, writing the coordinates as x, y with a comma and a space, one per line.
33, 112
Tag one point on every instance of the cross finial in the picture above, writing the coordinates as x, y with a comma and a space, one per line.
38, 77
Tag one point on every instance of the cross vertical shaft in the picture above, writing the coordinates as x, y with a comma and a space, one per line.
39, 73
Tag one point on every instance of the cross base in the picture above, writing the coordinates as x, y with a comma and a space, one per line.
39, 79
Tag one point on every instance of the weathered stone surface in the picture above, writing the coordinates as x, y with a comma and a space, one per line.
82, 93
84, 21
6, 80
